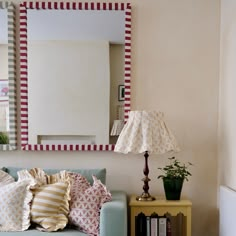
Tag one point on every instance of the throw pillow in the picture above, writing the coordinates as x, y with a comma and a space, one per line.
50, 205
48, 209
15, 199
85, 210
44, 178
5, 178
78, 185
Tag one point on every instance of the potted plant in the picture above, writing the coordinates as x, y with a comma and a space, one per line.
4, 138
173, 177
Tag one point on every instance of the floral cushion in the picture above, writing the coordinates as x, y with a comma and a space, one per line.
78, 185
15, 199
85, 209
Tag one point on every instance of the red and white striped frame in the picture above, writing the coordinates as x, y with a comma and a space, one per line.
24, 69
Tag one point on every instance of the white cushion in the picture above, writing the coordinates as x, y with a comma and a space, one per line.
15, 201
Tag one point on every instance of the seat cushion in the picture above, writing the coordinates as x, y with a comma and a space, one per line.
35, 232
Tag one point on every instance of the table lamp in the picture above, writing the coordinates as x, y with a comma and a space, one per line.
146, 132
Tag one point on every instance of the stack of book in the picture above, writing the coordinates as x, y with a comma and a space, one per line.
152, 225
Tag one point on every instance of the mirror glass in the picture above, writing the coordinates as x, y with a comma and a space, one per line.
75, 74
7, 78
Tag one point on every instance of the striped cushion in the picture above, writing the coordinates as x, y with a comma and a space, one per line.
48, 206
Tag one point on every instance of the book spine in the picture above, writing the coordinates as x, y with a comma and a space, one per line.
136, 226
154, 226
140, 225
168, 228
148, 229
162, 226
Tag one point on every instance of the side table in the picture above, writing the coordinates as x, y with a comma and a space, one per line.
161, 207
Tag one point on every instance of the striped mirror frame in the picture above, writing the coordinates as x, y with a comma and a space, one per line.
24, 6
11, 75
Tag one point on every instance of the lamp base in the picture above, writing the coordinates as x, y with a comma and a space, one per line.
145, 197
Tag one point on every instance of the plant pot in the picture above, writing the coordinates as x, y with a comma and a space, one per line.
173, 188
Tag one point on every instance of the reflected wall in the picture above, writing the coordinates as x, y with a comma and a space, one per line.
7, 77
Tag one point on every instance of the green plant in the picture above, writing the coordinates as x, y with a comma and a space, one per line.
4, 138
175, 169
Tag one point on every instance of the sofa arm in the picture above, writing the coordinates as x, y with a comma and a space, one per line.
113, 216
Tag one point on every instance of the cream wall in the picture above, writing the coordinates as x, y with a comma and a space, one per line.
227, 118
117, 78
175, 69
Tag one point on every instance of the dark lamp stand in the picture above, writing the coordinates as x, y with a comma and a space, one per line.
145, 196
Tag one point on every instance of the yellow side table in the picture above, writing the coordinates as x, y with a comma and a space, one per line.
161, 207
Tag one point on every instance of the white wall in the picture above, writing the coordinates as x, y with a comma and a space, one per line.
76, 25
175, 69
227, 118
60, 75
3, 23
4, 61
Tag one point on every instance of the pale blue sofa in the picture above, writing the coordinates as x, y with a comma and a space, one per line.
113, 217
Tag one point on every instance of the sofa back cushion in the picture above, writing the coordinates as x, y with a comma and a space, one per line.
87, 173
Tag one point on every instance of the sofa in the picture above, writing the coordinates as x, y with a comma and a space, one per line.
113, 214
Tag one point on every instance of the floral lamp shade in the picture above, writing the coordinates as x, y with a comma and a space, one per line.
146, 131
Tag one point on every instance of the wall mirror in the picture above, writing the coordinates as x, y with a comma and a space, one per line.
75, 68
7, 77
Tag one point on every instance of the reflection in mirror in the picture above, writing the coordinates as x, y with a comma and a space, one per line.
7, 78
74, 57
